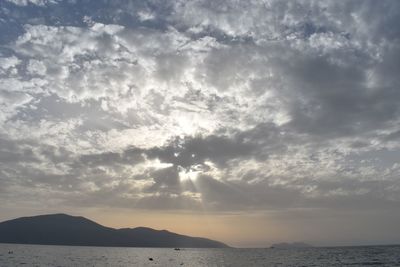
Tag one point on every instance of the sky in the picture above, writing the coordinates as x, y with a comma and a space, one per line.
249, 122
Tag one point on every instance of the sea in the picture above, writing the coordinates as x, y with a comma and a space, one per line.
57, 256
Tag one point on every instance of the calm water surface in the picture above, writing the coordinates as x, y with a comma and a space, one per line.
36, 255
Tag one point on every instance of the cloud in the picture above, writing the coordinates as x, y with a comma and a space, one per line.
189, 104
33, 2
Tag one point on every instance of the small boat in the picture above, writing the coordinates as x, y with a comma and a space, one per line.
177, 249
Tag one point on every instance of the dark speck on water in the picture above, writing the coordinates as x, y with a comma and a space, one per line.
63, 256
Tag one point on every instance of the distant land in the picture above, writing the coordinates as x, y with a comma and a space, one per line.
63, 229
291, 245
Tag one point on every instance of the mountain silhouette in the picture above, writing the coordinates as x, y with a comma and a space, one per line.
63, 229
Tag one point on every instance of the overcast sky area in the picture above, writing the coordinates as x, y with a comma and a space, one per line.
249, 122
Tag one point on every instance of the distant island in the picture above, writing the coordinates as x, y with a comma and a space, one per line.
291, 245
63, 229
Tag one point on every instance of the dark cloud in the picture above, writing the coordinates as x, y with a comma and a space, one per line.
335, 100
190, 151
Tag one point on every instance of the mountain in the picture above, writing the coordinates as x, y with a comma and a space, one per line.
291, 245
63, 229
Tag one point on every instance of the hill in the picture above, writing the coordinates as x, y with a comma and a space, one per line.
63, 229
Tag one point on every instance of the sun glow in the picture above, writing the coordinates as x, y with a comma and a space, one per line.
186, 124
185, 175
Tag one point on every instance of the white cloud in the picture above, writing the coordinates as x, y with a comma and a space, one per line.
36, 67
34, 2
9, 62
